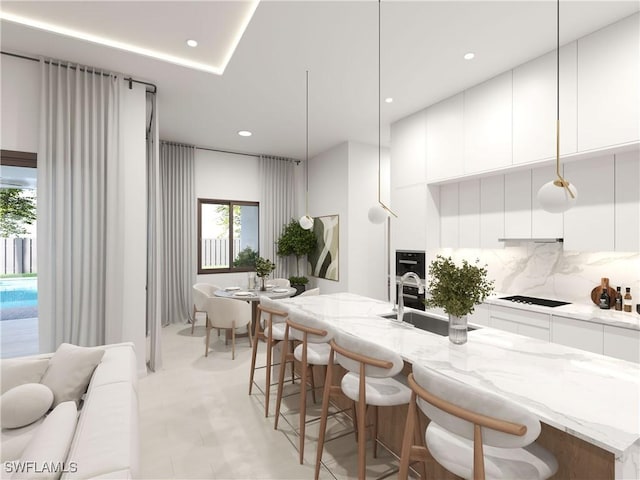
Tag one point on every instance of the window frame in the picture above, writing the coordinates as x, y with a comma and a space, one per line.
230, 204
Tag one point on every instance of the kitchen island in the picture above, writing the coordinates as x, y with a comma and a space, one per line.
590, 397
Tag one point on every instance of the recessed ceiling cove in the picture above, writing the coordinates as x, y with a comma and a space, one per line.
217, 27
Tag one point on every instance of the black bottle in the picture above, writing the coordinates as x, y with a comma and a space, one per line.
618, 304
605, 299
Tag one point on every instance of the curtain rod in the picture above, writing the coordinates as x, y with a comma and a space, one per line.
49, 62
209, 149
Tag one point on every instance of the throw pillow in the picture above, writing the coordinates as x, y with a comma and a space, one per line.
49, 447
24, 404
17, 371
70, 370
15, 440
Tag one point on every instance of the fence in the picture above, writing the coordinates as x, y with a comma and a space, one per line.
215, 252
18, 255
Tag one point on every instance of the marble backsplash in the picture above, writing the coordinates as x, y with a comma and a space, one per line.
546, 270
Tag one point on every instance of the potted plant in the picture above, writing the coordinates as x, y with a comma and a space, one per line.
458, 290
264, 267
299, 242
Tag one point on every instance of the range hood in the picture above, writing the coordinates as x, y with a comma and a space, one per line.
533, 240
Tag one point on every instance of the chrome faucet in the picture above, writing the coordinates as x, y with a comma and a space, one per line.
401, 291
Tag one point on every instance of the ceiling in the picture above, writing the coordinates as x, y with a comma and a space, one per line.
262, 88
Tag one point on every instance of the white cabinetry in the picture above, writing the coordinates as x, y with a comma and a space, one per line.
517, 204
523, 322
589, 225
410, 228
543, 223
627, 202
608, 80
469, 214
534, 106
577, 334
445, 139
408, 156
488, 125
622, 343
491, 211
480, 315
449, 225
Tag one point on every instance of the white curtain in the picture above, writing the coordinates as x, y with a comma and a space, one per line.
277, 207
179, 238
154, 238
78, 168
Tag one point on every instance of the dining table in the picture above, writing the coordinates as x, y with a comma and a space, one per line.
253, 296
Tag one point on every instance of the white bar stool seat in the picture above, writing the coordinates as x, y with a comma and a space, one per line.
380, 392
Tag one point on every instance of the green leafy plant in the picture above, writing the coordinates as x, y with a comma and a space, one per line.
457, 289
264, 267
298, 280
299, 242
17, 209
246, 258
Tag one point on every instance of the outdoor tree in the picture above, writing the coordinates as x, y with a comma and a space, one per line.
17, 210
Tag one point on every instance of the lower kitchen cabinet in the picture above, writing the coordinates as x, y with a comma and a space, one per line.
480, 316
623, 343
522, 322
577, 333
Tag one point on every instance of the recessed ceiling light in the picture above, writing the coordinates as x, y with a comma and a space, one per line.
192, 43
388, 100
469, 56
245, 133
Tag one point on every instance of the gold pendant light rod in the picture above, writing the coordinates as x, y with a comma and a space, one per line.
380, 118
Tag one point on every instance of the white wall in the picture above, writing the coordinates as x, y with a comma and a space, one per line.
367, 248
20, 104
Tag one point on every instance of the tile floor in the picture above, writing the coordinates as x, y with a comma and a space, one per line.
198, 421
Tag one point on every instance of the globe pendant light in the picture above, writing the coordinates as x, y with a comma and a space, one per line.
558, 195
306, 222
379, 212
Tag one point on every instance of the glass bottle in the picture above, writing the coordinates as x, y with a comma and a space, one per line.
605, 299
627, 300
618, 303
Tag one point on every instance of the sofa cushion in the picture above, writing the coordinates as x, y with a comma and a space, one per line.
15, 440
24, 404
106, 438
70, 371
48, 449
17, 371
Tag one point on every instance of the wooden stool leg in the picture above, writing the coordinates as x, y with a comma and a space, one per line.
254, 353
233, 340
362, 436
193, 323
375, 432
303, 402
409, 428
313, 384
354, 415
267, 388
206, 341
283, 360
323, 416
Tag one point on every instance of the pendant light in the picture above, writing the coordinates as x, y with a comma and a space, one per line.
379, 212
306, 222
557, 195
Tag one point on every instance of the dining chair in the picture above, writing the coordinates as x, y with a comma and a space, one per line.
270, 327
227, 314
371, 380
314, 336
473, 433
280, 282
309, 293
201, 291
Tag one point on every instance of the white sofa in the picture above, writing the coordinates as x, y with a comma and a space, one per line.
105, 444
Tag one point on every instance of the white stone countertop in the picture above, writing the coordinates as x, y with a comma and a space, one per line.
593, 397
580, 311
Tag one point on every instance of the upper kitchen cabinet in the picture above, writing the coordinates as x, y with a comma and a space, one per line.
491, 211
449, 219
408, 137
488, 125
589, 225
469, 213
410, 228
609, 86
445, 139
627, 202
534, 107
517, 204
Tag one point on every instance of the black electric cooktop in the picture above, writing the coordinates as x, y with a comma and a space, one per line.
534, 301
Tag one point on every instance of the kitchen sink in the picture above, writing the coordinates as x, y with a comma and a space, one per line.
426, 322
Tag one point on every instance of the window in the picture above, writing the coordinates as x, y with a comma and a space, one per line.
228, 236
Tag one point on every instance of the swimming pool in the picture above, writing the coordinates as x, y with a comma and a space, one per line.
18, 298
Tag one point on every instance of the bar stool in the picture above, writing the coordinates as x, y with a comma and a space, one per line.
314, 349
466, 438
270, 328
369, 381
